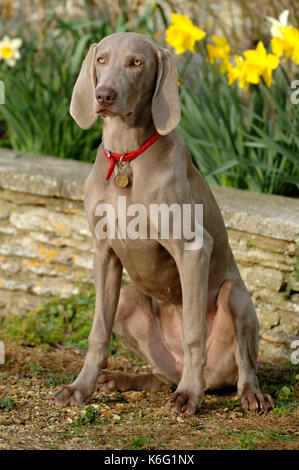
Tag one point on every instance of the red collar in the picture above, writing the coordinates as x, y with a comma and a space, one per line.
125, 157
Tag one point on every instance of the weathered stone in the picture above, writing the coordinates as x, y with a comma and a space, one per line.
84, 261
293, 284
55, 269
53, 286
14, 284
18, 304
4, 210
5, 227
257, 277
57, 204
268, 350
79, 242
40, 285
43, 255
278, 323
42, 175
271, 216
10, 265
278, 338
276, 299
275, 339
272, 245
267, 320
41, 219
250, 256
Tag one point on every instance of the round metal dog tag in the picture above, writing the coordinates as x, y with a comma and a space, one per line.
122, 180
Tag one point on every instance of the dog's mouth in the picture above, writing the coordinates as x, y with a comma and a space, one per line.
105, 112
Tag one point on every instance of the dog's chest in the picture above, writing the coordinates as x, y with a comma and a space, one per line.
151, 267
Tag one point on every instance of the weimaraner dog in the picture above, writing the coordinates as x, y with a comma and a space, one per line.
188, 313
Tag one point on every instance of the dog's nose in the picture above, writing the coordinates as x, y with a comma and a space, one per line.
105, 95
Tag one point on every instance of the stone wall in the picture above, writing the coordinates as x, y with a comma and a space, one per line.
46, 248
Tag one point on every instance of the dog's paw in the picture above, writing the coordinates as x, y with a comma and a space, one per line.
114, 380
184, 402
257, 401
68, 395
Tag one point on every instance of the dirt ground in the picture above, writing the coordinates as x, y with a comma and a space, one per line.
130, 420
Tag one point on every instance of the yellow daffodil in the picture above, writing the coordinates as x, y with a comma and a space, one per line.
238, 72
182, 33
9, 50
276, 24
278, 46
288, 44
256, 63
220, 51
260, 63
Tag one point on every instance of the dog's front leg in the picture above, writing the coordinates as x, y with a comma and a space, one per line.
108, 273
193, 267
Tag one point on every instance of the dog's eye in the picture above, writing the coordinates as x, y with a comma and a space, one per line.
136, 63
101, 60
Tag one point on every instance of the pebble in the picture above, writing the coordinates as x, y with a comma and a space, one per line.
116, 417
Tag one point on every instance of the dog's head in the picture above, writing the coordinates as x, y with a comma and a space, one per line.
120, 75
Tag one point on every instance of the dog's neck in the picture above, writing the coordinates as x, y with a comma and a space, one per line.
126, 133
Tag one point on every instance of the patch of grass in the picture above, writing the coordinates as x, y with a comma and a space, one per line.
205, 442
283, 385
60, 378
90, 416
6, 403
246, 442
139, 442
287, 397
65, 321
36, 368
256, 438
280, 380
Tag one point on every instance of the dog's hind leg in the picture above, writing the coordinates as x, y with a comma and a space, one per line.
233, 347
138, 325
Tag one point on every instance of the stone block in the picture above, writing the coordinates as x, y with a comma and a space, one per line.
262, 214
42, 175
256, 277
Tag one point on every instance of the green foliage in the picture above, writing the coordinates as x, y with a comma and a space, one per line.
65, 321
60, 321
287, 396
60, 378
284, 393
36, 368
255, 439
138, 442
90, 416
37, 97
251, 145
6, 403
246, 442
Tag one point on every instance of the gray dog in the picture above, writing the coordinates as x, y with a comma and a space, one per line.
188, 313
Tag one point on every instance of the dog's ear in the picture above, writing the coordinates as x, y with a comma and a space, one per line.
82, 102
166, 110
